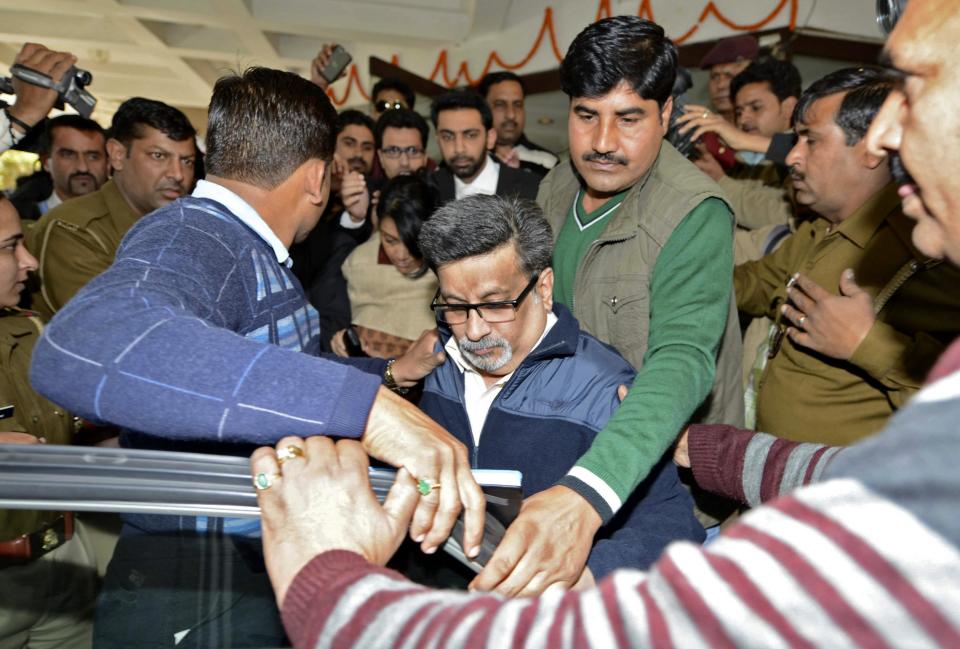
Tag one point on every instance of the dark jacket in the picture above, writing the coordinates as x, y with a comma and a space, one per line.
546, 417
511, 182
30, 192
532, 167
316, 263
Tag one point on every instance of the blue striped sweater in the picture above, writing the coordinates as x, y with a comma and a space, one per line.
197, 339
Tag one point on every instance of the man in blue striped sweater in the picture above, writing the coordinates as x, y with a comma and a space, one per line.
199, 338
868, 556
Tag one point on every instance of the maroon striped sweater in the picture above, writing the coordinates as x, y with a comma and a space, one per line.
868, 556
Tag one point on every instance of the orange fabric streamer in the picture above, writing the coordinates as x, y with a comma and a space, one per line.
353, 78
547, 29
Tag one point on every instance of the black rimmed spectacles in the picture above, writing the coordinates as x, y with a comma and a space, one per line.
492, 312
394, 152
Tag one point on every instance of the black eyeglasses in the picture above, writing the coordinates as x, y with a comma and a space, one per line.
492, 312
394, 152
383, 105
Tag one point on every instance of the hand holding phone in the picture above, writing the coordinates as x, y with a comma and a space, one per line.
329, 64
352, 342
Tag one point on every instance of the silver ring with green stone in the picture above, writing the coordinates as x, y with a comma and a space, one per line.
426, 485
263, 481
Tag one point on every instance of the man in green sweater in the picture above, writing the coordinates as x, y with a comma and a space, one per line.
644, 260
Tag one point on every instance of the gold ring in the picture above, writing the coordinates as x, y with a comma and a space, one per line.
426, 485
706, 114
288, 453
263, 481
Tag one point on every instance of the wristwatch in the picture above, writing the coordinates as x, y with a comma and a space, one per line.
391, 382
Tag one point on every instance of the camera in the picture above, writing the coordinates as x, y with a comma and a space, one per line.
70, 89
681, 142
888, 13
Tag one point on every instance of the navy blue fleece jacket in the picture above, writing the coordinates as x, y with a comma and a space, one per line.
546, 417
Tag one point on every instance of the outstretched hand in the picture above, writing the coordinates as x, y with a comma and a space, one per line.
419, 360
401, 435
700, 120
322, 500
546, 545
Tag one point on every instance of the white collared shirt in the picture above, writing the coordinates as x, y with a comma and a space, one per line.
484, 183
246, 214
52, 201
477, 396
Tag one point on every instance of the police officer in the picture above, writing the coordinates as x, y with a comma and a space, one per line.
48, 573
152, 152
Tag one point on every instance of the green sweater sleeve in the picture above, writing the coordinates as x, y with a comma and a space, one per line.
689, 300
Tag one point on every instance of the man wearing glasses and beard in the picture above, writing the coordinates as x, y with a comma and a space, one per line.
525, 389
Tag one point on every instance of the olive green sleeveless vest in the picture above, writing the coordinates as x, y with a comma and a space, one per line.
612, 286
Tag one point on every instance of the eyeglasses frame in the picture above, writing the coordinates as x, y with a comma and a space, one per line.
467, 308
401, 150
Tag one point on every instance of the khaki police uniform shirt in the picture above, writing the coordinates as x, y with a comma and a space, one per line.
75, 242
806, 396
23, 410
759, 195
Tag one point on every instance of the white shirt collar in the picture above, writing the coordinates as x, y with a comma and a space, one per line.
53, 200
478, 397
484, 183
453, 350
246, 214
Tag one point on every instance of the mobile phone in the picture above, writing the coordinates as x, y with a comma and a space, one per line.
339, 60
352, 342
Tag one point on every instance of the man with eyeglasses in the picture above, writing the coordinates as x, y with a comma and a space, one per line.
401, 137
525, 389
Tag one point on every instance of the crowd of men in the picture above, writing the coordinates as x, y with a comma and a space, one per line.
658, 342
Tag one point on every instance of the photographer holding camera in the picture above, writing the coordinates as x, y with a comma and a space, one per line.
32, 102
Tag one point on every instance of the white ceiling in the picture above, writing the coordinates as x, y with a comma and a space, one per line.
173, 50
